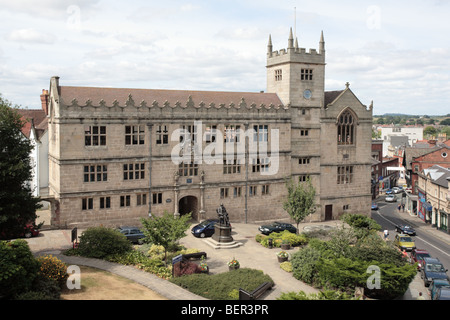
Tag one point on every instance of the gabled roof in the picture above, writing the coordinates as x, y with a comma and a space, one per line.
331, 96
438, 175
36, 117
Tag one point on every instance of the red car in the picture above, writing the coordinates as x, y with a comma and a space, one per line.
417, 255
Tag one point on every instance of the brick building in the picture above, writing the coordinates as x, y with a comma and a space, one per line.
115, 154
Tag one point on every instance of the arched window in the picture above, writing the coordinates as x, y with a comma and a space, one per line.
346, 128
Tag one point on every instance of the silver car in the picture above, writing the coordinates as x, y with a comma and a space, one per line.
390, 198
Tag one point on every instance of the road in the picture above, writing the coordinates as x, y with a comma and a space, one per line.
388, 216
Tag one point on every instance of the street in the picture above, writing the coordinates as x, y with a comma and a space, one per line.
427, 238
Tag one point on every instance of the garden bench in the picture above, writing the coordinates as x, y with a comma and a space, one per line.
197, 255
255, 294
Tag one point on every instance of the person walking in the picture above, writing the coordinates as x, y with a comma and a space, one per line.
386, 233
420, 297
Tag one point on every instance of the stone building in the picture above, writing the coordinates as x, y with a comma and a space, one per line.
115, 154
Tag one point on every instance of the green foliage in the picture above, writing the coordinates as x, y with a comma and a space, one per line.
300, 201
304, 264
166, 230
18, 267
363, 225
17, 204
322, 295
53, 268
282, 237
286, 266
100, 242
222, 286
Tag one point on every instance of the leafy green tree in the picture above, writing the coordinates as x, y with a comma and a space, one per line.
445, 122
446, 130
101, 242
165, 230
432, 131
300, 201
17, 204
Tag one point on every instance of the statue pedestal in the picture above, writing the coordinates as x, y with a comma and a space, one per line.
222, 233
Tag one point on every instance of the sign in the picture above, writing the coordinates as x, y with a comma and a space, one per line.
176, 259
188, 180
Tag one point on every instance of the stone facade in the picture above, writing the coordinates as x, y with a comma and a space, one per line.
113, 152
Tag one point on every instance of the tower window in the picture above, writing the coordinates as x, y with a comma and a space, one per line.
306, 74
346, 128
278, 75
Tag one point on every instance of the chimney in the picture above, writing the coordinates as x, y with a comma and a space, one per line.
44, 101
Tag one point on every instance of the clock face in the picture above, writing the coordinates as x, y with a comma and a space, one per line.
307, 94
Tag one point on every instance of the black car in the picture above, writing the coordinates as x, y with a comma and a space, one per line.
134, 234
205, 228
433, 269
405, 229
277, 227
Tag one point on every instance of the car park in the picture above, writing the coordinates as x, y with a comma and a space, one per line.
405, 229
433, 269
205, 228
435, 285
404, 242
417, 256
442, 293
374, 206
134, 234
277, 227
390, 198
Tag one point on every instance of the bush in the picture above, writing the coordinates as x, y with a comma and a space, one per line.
99, 242
18, 268
286, 266
322, 295
53, 268
185, 268
279, 237
304, 264
221, 286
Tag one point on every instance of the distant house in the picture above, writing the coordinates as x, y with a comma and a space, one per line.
36, 130
434, 204
396, 136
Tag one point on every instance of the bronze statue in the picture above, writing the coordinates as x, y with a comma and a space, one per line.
223, 216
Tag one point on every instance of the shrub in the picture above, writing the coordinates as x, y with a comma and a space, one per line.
53, 268
99, 242
322, 295
286, 266
286, 236
18, 267
186, 268
220, 286
304, 264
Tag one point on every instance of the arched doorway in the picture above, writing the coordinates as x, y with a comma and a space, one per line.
189, 204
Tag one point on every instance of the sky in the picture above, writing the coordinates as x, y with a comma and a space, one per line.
394, 53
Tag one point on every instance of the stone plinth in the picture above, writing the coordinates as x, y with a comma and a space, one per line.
222, 233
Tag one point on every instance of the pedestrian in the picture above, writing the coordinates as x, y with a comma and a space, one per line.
404, 254
386, 233
420, 297
399, 206
403, 207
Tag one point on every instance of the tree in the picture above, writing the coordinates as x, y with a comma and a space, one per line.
17, 204
300, 201
432, 131
166, 230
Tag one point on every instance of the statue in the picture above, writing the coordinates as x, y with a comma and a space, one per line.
223, 216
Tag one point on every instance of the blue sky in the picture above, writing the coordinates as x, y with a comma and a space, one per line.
395, 53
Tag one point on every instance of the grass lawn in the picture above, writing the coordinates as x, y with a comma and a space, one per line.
102, 285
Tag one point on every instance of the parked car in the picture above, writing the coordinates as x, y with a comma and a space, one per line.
417, 255
389, 191
436, 284
404, 242
205, 228
442, 293
433, 269
408, 190
134, 234
374, 206
396, 190
405, 229
390, 198
277, 227
31, 230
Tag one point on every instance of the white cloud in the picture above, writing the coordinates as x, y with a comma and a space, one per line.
30, 36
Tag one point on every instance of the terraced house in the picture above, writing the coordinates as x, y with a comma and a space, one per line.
117, 154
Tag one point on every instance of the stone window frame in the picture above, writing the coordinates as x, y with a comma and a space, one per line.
252, 191
95, 173
134, 135
133, 171
237, 192
306, 74
304, 132
87, 203
304, 160
231, 168
278, 74
141, 199
125, 201
94, 136
157, 198
265, 189
224, 193
232, 133
345, 174
346, 128
260, 164
162, 134
104, 203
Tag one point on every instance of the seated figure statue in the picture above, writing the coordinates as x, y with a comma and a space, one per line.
223, 216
